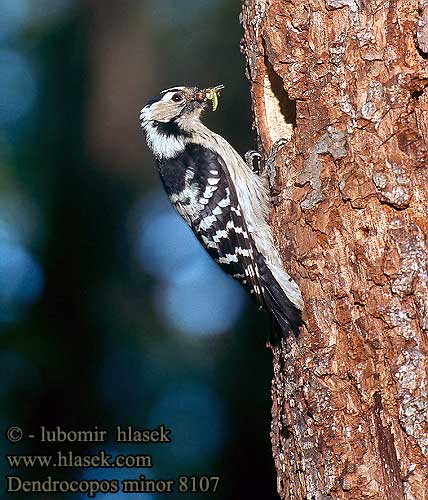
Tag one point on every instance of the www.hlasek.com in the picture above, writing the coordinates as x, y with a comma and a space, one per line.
91, 487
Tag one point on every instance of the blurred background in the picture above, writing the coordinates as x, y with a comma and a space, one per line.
110, 311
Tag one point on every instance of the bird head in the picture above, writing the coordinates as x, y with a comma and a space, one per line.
182, 105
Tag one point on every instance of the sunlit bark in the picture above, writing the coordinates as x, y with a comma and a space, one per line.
347, 82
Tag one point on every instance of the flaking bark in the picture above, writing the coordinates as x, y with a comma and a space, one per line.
347, 82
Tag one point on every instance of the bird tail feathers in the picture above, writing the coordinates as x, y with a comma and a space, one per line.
286, 317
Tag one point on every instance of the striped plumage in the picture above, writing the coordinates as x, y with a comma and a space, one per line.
224, 202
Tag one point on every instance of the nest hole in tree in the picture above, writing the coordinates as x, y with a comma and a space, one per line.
280, 109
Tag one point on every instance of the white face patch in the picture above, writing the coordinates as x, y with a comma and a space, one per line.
161, 145
166, 107
169, 93
164, 110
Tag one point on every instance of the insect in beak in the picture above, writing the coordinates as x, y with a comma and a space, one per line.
210, 94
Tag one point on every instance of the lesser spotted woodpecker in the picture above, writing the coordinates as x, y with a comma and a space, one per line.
221, 198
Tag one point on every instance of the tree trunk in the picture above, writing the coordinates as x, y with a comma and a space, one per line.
347, 82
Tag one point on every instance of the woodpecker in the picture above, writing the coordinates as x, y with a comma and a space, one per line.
224, 201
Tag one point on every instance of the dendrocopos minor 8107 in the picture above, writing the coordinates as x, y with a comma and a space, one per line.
223, 200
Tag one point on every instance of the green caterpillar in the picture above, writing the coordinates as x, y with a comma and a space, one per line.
212, 96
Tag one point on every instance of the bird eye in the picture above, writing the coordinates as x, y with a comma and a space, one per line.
177, 97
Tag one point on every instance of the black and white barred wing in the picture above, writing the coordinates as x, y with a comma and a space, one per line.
222, 229
206, 198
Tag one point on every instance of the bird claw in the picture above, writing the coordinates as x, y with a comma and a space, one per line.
267, 167
254, 160
270, 168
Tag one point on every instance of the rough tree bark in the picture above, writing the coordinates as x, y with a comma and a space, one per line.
347, 82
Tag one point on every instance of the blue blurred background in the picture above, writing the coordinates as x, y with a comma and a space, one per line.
110, 311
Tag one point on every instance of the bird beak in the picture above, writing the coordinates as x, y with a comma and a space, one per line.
217, 89
209, 94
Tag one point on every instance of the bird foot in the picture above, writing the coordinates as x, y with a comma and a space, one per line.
254, 160
270, 167
267, 167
